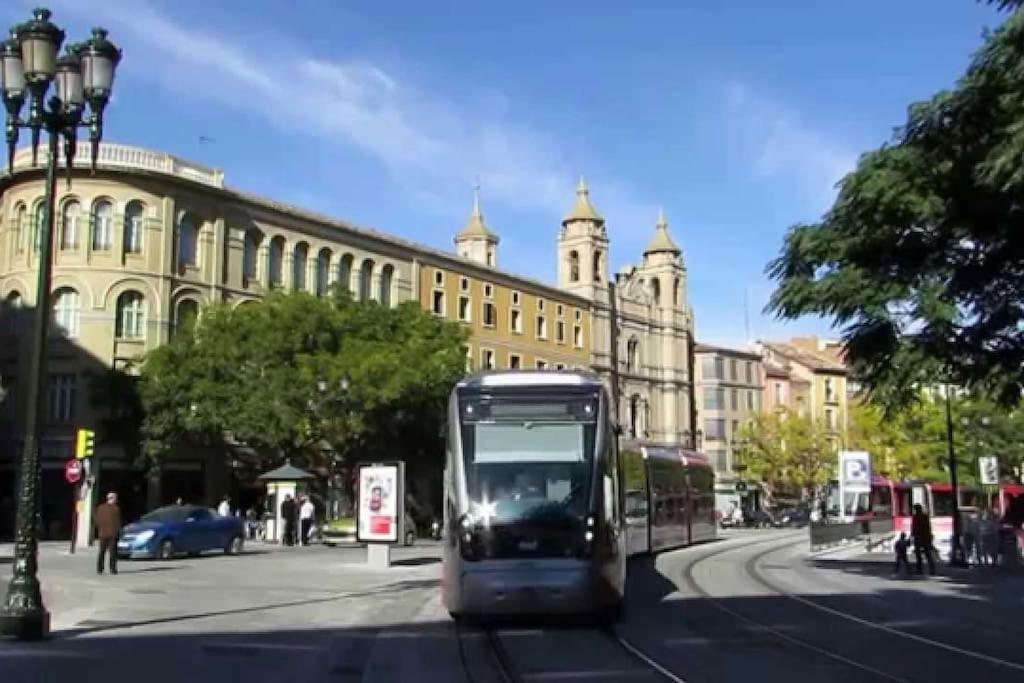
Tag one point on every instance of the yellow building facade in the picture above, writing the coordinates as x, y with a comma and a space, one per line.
149, 239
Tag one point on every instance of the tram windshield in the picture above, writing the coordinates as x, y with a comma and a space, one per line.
528, 458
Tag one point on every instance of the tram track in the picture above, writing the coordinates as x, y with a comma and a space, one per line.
716, 601
750, 568
631, 664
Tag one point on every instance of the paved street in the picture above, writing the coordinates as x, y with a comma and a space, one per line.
753, 604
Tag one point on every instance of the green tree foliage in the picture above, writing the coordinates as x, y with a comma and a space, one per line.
787, 452
920, 261
912, 443
114, 395
270, 374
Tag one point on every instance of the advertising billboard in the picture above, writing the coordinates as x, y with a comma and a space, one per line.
381, 497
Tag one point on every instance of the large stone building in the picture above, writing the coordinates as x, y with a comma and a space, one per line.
808, 382
730, 383
149, 239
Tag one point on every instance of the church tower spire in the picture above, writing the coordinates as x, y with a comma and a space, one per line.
476, 241
583, 249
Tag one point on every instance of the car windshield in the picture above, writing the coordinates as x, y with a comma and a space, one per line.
529, 459
171, 513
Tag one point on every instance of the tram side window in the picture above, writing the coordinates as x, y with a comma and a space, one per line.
635, 478
904, 505
970, 498
881, 501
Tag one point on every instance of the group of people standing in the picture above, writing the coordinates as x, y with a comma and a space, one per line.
979, 538
302, 511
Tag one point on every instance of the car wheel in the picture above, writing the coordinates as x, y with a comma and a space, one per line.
234, 546
166, 551
410, 537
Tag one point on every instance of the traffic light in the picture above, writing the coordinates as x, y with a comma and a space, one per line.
86, 443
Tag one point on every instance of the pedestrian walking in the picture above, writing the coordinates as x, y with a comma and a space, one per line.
224, 509
921, 532
108, 527
902, 548
306, 513
970, 538
988, 534
288, 517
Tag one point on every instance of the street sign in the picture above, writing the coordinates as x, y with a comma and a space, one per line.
855, 471
988, 467
73, 471
854, 479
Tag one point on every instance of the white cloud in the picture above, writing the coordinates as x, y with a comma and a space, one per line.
432, 146
782, 146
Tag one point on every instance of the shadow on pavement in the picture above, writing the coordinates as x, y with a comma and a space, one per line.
416, 561
388, 589
745, 635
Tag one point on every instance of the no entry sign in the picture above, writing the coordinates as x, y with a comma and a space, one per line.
73, 471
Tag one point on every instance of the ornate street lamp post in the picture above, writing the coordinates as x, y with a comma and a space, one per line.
85, 75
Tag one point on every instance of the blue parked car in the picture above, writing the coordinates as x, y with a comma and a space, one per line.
169, 531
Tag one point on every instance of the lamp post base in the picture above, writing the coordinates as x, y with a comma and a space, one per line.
31, 624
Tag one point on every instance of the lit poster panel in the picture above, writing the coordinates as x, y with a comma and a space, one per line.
380, 502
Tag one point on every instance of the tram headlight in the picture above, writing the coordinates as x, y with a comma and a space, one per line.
588, 537
467, 548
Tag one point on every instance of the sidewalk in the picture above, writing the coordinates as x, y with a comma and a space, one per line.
267, 584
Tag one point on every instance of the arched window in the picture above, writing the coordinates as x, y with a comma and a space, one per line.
387, 274
323, 271
186, 314
102, 225
676, 291
656, 290
251, 255
188, 249
276, 261
345, 273
20, 227
574, 266
634, 414
366, 280
69, 225
299, 265
65, 311
633, 355
37, 228
598, 266
133, 227
131, 316
12, 313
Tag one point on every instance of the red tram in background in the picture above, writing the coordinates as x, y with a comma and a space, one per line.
896, 499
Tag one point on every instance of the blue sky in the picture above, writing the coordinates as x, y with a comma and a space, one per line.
737, 117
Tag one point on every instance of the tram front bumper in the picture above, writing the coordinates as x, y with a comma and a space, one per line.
559, 587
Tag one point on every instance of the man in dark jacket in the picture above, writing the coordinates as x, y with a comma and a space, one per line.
921, 531
288, 517
108, 527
